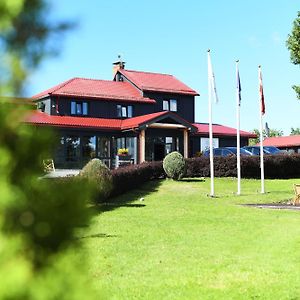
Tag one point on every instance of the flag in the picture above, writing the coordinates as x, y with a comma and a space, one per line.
261, 92
211, 78
238, 85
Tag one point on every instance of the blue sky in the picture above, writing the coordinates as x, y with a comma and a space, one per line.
172, 36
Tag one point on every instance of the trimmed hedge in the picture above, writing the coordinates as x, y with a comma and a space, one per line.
133, 176
276, 166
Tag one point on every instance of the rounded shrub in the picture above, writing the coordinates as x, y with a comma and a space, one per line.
99, 174
174, 165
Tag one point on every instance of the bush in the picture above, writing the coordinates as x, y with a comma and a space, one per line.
38, 218
174, 165
99, 174
133, 176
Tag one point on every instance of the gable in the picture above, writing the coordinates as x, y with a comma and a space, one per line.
156, 82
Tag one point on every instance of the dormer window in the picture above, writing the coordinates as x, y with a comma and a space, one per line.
170, 105
79, 108
124, 111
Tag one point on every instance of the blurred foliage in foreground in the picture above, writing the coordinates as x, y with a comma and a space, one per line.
38, 217
26, 37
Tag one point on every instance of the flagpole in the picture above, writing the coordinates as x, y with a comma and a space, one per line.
211, 155
238, 140
261, 112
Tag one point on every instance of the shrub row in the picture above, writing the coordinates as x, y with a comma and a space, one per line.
275, 166
133, 176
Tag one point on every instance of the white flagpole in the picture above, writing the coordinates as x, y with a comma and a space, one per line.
262, 173
238, 140
211, 155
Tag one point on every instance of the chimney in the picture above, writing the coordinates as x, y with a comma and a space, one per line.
118, 65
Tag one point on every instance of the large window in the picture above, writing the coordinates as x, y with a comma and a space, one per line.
170, 105
72, 148
124, 111
79, 108
88, 145
103, 147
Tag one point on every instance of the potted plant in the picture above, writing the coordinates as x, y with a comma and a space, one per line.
123, 154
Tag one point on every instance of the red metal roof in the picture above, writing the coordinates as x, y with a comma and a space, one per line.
137, 121
283, 141
39, 118
96, 89
220, 130
147, 81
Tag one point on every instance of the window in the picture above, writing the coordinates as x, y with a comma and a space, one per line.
79, 108
170, 105
72, 148
73, 108
173, 105
165, 105
129, 111
124, 111
41, 106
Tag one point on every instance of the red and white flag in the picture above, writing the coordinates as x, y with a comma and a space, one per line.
261, 92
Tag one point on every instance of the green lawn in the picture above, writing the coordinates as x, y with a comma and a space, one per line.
180, 244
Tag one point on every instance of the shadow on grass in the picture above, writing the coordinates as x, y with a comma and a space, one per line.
126, 199
192, 180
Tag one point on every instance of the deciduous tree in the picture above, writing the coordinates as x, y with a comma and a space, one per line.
295, 131
293, 44
271, 133
26, 32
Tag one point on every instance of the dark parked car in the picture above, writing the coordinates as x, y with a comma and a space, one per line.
226, 151
255, 150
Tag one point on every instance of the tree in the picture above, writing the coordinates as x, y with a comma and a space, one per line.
295, 131
272, 133
293, 44
25, 34
38, 218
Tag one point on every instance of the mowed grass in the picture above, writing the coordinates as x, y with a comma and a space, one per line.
180, 244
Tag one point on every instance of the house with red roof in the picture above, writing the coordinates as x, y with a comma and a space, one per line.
150, 114
289, 143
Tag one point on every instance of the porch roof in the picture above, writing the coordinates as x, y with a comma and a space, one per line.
43, 119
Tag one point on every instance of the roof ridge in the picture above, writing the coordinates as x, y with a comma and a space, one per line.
93, 79
147, 72
208, 124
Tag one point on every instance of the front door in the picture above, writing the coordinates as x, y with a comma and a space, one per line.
159, 151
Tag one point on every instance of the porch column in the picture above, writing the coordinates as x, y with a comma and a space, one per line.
142, 146
185, 143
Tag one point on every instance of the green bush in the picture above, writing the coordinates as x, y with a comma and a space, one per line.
174, 165
39, 218
99, 174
